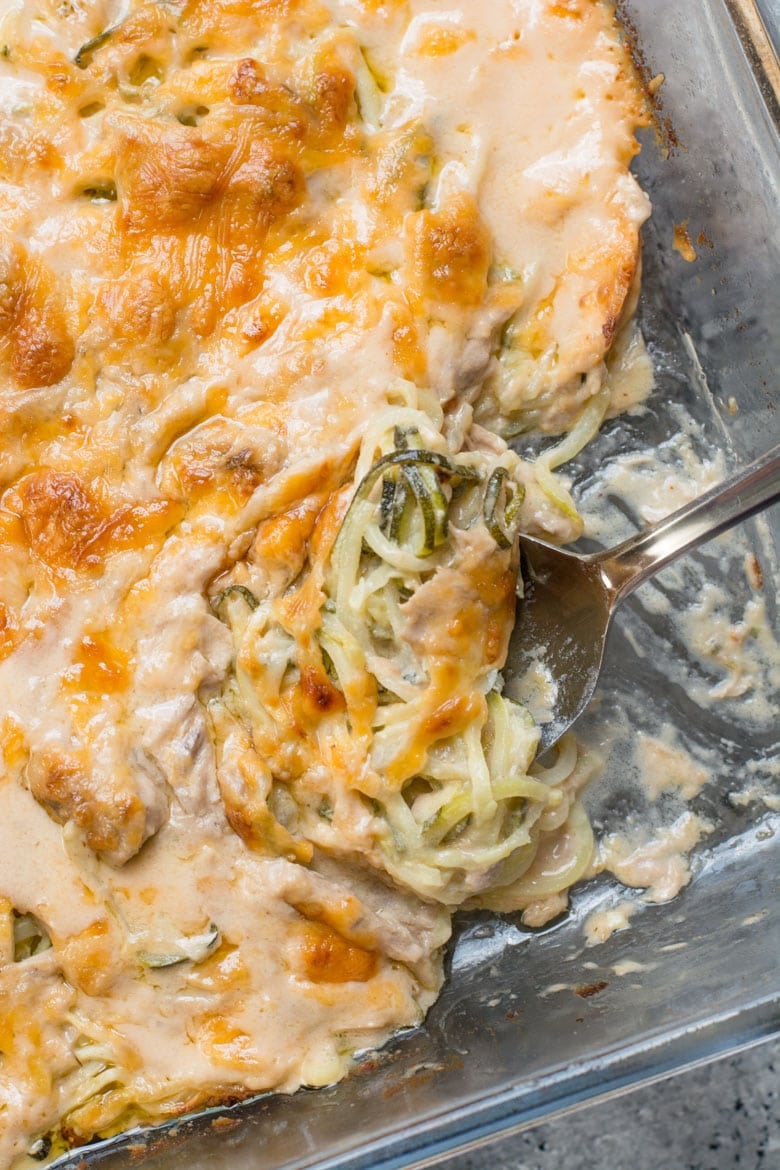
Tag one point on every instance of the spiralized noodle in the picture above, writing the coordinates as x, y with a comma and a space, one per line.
584, 430
399, 617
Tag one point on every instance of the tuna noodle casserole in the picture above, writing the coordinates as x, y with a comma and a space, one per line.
278, 278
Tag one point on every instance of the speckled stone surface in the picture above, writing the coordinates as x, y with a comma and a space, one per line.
725, 1116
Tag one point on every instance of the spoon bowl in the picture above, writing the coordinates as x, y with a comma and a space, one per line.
563, 618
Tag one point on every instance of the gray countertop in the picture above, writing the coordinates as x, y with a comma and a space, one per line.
722, 1116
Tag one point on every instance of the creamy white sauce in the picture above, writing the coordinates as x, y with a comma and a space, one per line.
664, 768
631, 967
656, 862
602, 924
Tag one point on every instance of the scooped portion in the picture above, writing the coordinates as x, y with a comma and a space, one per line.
366, 699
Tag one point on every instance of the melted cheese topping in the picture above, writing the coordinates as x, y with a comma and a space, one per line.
233, 233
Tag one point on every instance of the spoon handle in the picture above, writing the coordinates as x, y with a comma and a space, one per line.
627, 565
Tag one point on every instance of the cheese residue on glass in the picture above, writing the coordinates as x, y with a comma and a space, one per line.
275, 279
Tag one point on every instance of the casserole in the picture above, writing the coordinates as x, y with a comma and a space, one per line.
491, 1054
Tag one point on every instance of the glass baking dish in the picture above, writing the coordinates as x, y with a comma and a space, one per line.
532, 1023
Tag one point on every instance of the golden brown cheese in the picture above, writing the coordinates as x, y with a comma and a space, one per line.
232, 235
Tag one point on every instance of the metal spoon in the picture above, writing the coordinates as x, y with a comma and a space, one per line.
564, 618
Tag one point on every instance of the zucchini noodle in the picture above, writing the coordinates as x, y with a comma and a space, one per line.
30, 937
583, 431
395, 632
